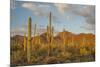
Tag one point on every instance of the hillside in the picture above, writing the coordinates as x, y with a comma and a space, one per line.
68, 36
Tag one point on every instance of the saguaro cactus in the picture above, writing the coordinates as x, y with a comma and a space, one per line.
29, 40
35, 33
35, 30
83, 41
63, 38
38, 38
25, 41
49, 35
52, 32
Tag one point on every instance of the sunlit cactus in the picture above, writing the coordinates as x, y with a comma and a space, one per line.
49, 28
63, 35
35, 33
29, 40
83, 41
35, 30
25, 42
38, 39
47, 34
72, 41
48, 40
64, 40
52, 34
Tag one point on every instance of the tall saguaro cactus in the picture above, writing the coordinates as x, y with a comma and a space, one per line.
49, 35
29, 40
50, 27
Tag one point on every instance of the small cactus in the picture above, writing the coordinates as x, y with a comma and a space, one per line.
52, 33
63, 38
25, 42
47, 34
35, 34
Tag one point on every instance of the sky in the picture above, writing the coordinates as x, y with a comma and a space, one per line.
74, 18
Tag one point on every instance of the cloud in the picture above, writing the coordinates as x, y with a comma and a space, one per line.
38, 9
43, 9
86, 11
61, 7
28, 5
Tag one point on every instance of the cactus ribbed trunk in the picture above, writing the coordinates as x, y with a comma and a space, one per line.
29, 40
63, 40
35, 34
52, 32
25, 42
49, 35
35, 30
38, 39
50, 27
63, 36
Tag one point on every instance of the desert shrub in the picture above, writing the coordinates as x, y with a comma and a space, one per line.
64, 56
18, 57
55, 50
83, 51
15, 47
42, 51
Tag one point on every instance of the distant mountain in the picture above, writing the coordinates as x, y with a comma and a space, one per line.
88, 38
58, 39
18, 39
